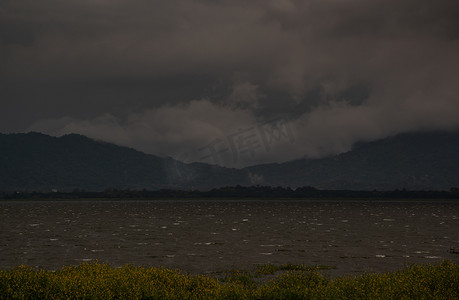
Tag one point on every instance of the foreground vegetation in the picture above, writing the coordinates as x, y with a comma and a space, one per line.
100, 281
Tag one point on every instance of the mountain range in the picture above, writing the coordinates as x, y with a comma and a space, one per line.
38, 162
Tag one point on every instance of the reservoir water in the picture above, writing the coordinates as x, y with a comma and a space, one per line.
202, 236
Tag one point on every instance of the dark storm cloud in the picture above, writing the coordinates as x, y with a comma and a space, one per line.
165, 76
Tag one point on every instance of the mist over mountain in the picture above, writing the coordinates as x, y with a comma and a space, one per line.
35, 161
417, 161
170, 77
39, 162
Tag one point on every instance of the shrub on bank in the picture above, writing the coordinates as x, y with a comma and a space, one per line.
100, 281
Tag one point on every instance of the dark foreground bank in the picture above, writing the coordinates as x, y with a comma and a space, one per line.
100, 281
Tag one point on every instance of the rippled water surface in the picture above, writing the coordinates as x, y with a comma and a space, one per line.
214, 235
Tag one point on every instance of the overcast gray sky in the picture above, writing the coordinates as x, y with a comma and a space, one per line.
254, 81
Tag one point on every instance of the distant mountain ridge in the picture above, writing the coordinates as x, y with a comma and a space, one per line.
415, 161
38, 162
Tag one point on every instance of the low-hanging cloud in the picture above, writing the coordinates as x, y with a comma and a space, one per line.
168, 77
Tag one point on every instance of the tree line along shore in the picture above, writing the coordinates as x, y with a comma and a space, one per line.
234, 192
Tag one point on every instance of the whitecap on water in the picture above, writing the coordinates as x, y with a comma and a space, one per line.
380, 255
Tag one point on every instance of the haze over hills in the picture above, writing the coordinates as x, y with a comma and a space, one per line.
38, 162
35, 161
418, 161
234, 83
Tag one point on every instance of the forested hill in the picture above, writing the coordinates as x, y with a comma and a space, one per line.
38, 162
419, 161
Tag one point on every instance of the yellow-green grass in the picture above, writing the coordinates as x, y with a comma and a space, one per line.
101, 281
